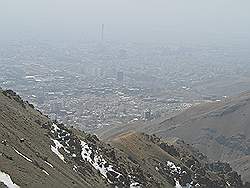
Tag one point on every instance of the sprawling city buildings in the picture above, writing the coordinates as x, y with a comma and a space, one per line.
92, 85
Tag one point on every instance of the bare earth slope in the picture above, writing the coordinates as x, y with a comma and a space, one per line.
221, 130
175, 162
25, 149
36, 152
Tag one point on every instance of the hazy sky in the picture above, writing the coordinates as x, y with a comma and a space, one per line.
126, 20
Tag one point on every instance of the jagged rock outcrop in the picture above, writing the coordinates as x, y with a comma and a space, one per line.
36, 152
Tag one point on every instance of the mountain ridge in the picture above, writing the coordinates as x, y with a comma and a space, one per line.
38, 152
219, 129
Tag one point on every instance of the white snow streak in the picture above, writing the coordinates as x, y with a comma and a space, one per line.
45, 172
175, 169
49, 164
22, 155
98, 162
6, 180
55, 149
55, 127
135, 185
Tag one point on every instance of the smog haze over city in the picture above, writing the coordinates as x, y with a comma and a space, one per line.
97, 64
125, 93
158, 21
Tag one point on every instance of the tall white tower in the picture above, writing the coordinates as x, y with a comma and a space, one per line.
102, 33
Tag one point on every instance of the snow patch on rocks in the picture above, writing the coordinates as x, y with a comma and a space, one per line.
174, 169
97, 162
6, 180
56, 149
100, 164
58, 145
62, 140
178, 185
177, 170
135, 185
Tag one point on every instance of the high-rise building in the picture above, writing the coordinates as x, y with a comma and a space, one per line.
102, 32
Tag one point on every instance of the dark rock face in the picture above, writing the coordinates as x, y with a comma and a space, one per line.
4, 142
7, 156
2, 185
46, 125
219, 167
185, 178
199, 169
12, 95
227, 110
234, 179
237, 142
153, 138
120, 172
170, 149
38, 122
182, 165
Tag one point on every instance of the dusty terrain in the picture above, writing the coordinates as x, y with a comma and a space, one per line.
221, 130
36, 152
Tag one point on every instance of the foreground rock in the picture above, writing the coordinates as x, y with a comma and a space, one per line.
36, 152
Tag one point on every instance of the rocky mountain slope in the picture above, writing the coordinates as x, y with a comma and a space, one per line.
221, 130
176, 162
29, 152
36, 152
